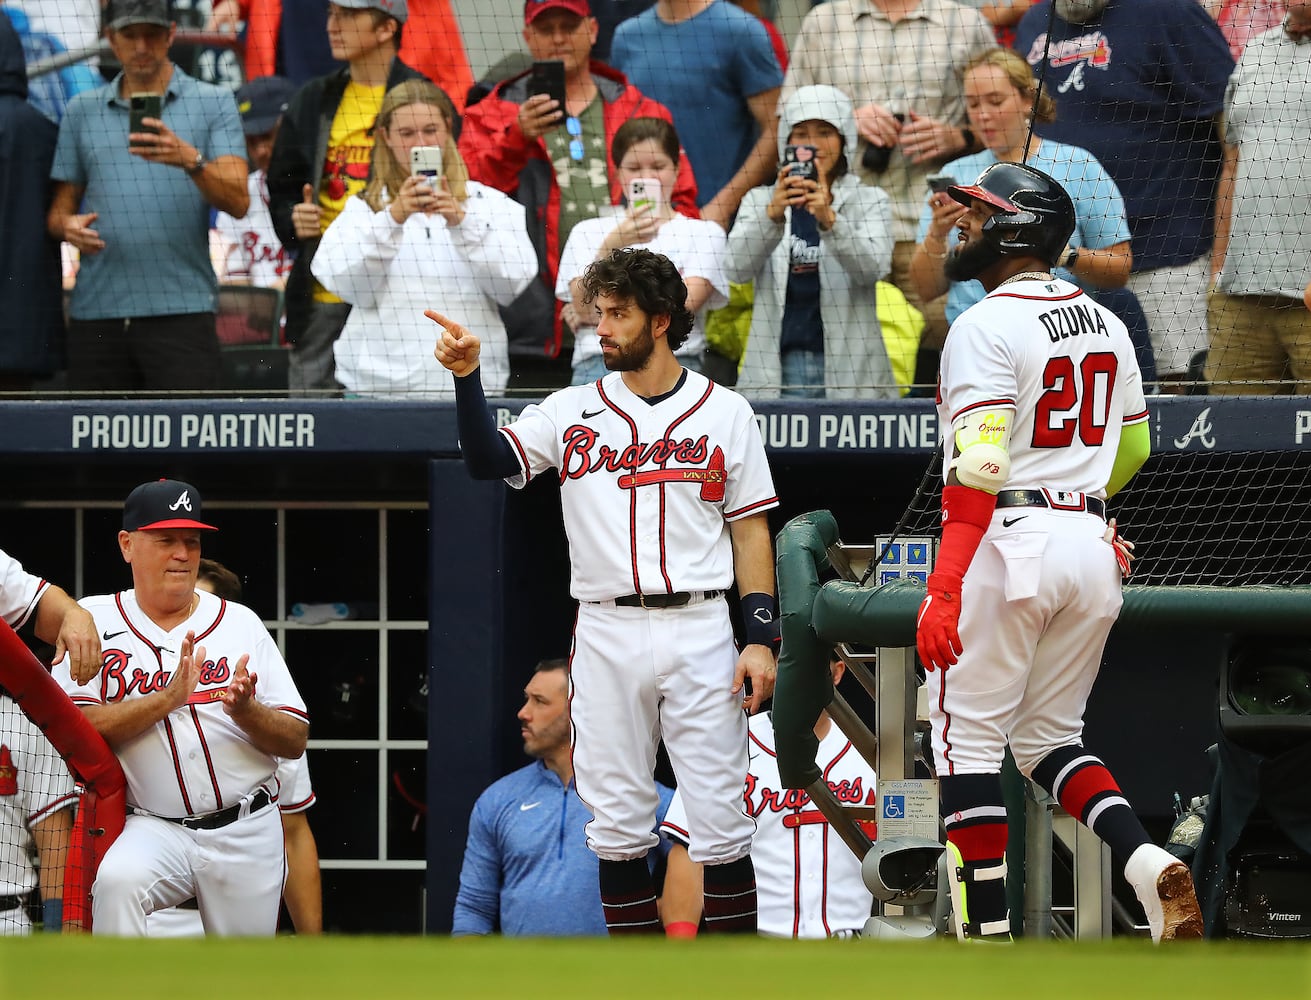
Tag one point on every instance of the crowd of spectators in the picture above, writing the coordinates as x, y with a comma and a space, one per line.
1182, 163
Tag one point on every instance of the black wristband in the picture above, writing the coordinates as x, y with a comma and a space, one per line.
760, 620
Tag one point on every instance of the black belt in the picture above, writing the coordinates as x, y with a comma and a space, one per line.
214, 820
11, 902
657, 601
1053, 499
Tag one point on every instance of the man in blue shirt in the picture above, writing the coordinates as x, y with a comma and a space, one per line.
527, 871
136, 206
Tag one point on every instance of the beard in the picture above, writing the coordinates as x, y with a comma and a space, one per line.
633, 357
1079, 11
969, 260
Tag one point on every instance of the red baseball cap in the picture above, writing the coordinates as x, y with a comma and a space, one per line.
532, 9
168, 503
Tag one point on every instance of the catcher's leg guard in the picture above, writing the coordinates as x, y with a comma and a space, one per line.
984, 888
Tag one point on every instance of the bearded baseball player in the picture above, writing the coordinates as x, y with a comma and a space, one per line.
664, 487
1042, 407
808, 881
196, 701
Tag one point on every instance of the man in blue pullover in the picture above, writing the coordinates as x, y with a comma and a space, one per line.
527, 871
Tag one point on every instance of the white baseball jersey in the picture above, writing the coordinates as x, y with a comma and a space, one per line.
197, 760
1043, 588
1065, 364
20, 591
808, 882
647, 490
254, 252
34, 784
695, 246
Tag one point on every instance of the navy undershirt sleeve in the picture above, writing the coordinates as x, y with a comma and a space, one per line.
487, 454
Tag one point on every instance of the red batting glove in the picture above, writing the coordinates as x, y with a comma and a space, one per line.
936, 635
1123, 549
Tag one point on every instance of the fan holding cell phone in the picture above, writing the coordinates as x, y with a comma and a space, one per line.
645, 154
420, 234
816, 245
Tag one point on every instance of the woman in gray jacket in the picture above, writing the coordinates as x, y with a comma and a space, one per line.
815, 248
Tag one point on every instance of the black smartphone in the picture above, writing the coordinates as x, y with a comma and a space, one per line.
939, 183
804, 159
548, 78
142, 106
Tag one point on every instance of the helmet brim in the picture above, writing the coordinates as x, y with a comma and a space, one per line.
967, 193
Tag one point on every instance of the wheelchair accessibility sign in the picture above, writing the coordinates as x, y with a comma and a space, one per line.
908, 808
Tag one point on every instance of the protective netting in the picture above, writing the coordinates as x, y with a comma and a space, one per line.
38, 806
1182, 167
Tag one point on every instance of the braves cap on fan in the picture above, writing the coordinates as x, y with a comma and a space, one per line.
392, 8
533, 9
124, 13
261, 102
168, 503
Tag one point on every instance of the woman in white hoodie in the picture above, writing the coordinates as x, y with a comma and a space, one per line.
816, 250
407, 244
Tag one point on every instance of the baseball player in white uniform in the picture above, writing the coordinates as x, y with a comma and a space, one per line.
664, 488
196, 701
808, 882
59, 620
1042, 407
36, 820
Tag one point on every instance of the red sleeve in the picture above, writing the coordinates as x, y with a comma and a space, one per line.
431, 44
493, 147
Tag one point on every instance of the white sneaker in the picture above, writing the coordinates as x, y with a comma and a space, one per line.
1164, 886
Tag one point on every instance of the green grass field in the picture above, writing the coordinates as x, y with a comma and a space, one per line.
41, 968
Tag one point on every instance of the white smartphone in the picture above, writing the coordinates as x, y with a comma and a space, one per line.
426, 161
644, 191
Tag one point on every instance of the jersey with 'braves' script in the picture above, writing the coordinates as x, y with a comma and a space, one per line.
196, 760
648, 490
1064, 363
808, 882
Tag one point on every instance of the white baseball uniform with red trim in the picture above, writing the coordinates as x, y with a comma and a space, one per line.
295, 795
808, 882
34, 785
193, 763
20, 591
1067, 367
648, 492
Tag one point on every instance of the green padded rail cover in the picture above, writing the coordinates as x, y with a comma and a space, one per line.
815, 617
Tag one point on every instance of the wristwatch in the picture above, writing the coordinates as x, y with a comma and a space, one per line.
198, 165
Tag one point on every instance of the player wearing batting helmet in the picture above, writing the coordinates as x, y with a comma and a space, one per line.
1042, 404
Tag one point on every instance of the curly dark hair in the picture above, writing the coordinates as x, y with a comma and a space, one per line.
648, 279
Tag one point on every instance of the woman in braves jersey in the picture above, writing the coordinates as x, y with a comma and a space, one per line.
1042, 404
664, 488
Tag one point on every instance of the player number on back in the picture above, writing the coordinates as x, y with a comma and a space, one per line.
1071, 403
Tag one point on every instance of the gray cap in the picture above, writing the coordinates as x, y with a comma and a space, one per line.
392, 8
124, 13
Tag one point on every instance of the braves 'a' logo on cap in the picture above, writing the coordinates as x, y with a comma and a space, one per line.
183, 501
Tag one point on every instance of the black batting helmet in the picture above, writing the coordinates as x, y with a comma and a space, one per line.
1035, 217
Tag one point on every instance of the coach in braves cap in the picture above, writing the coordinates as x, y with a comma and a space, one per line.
392, 8
125, 13
167, 503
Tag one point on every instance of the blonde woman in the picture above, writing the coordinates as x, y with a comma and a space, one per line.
999, 93
406, 243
